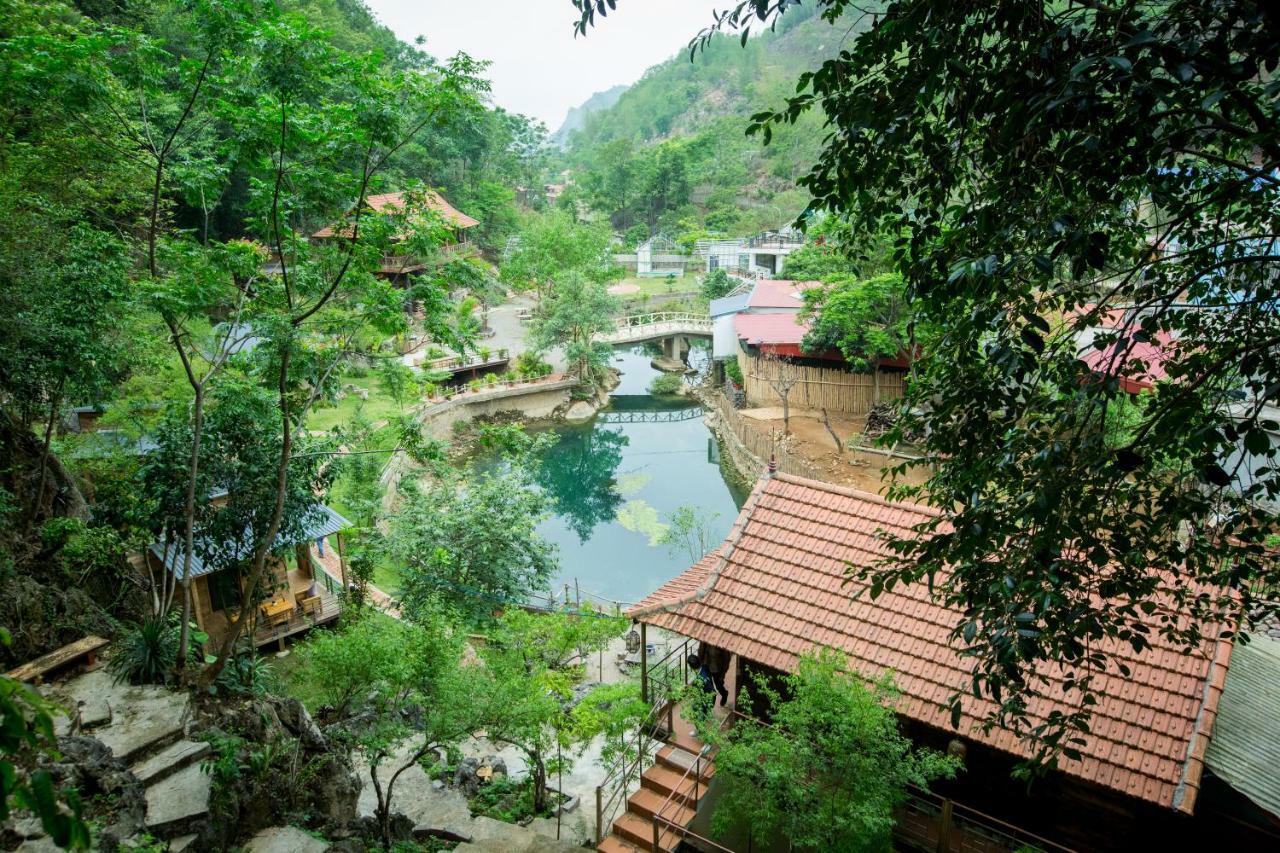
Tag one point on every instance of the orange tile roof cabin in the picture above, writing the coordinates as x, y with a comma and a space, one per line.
395, 203
776, 588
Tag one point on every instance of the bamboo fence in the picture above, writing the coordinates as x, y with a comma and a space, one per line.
817, 387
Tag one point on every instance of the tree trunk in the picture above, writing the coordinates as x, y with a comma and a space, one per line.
786, 413
189, 519
538, 775
875, 381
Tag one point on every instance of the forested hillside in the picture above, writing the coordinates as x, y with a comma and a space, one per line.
672, 154
577, 116
154, 155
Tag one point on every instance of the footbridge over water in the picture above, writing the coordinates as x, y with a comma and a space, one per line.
673, 328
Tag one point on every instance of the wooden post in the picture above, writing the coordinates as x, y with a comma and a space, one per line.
644, 662
342, 559
599, 813
944, 828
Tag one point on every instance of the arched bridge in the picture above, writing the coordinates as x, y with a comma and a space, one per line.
663, 324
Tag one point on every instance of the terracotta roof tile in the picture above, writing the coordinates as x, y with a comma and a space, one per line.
395, 203
777, 587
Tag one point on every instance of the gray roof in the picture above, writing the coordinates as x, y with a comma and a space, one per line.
321, 521
729, 304
1245, 748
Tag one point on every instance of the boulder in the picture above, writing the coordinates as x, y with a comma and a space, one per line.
335, 791
580, 411
294, 717
669, 365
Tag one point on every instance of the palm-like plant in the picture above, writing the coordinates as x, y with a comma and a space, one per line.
147, 653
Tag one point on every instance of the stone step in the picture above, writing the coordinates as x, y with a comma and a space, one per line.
170, 760
664, 780
285, 839
182, 842
683, 762
176, 804
647, 803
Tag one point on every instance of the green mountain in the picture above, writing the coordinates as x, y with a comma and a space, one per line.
577, 116
672, 155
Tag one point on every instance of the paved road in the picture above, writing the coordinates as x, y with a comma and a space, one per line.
511, 334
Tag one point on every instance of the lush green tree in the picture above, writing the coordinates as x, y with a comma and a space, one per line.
717, 284
553, 245
528, 680
472, 541
394, 667
691, 529
573, 312
828, 769
867, 320
1150, 130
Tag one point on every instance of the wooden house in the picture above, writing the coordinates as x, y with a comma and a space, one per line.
778, 587
305, 575
399, 266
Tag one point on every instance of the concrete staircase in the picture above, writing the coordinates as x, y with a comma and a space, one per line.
672, 780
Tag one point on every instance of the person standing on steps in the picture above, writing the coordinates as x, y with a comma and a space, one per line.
716, 660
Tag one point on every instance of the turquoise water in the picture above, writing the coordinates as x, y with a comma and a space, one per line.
617, 478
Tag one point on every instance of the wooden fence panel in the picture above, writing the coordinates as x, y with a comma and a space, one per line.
817, 387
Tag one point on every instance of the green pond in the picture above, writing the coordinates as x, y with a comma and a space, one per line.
617, 479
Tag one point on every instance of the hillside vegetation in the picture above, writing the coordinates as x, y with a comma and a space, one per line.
672, 154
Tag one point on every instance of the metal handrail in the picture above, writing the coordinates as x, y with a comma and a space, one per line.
629, 764
659, 819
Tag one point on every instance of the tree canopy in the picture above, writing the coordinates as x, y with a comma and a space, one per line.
1085, 197
828, 769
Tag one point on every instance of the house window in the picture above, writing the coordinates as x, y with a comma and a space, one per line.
224, 590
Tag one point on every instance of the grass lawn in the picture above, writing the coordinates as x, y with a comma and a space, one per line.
378, 407
656, 286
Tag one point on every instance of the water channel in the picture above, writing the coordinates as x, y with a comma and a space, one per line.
617, 479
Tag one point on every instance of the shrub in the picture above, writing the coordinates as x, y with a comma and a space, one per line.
147, 653
734, 371
246, 675
666, 385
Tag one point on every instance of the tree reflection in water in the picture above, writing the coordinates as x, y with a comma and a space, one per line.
580, 471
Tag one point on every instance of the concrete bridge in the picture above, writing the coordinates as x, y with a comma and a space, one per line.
673, 328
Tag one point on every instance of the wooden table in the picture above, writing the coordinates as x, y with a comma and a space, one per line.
277, 610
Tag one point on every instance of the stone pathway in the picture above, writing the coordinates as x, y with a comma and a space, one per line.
429, 804
145, 727
285, 839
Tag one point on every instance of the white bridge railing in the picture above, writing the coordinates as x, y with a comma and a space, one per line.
640, 327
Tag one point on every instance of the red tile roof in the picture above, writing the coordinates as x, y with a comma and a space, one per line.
776, 588
779, 293
1112, 360
758, 329
395, 203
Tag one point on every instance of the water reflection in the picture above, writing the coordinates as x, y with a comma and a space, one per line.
618, 481
579, 470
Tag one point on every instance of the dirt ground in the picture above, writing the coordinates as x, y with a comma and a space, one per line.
810, 441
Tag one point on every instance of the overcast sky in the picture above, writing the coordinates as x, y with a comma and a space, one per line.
539, 68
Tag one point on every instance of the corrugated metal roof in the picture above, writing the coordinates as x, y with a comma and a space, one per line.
1245, 749
321, 521
729, 304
